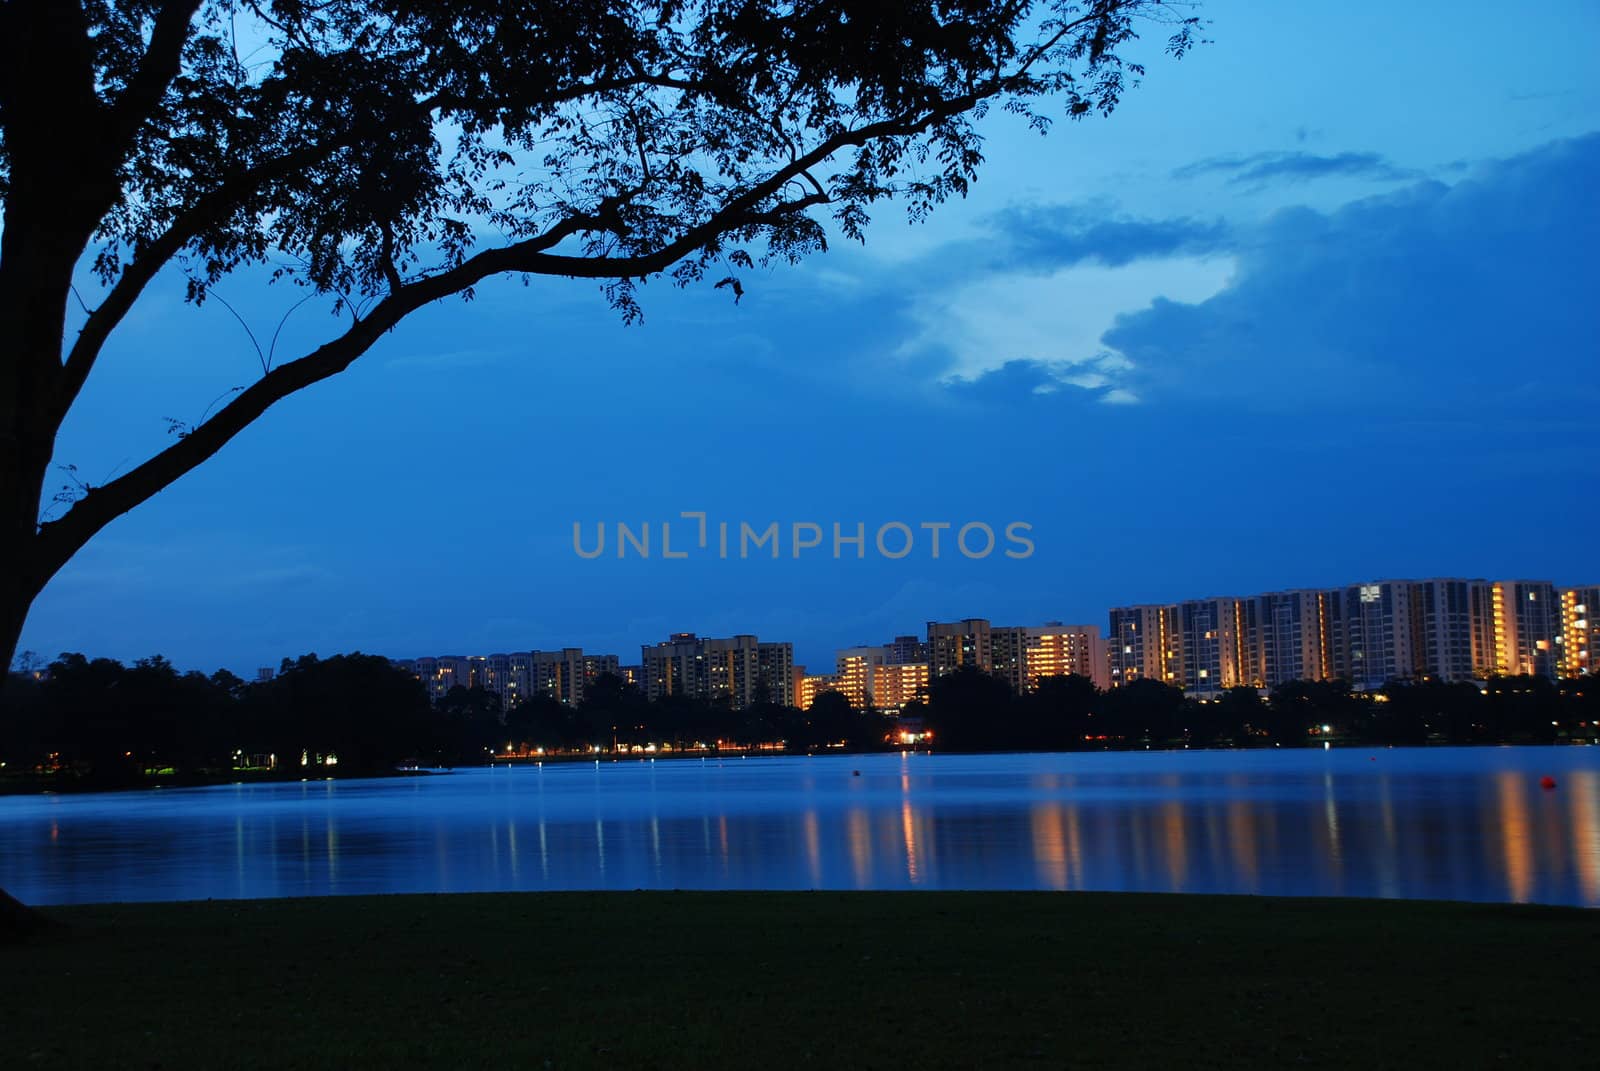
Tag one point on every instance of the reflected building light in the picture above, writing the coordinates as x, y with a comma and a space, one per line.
1242, 843
333, 853
1514, 831
1050, 846
1585, 800
655, 842
1177, 844
1388, 860
908, 830
859, 834
813, 837
1330, 818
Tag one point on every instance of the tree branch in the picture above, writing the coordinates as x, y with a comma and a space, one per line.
59, 540
148, 262
157, 68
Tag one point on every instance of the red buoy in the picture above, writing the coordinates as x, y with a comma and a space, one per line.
1547, 782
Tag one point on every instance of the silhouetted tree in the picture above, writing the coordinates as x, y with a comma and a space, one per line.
1060, 712
1295, 706
357, 707
471, 724
1228, 720
1415, 711
1522, 709
973, 711
1144, 711
384, 156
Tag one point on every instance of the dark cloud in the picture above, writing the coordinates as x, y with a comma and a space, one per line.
1477, 294
1050, 237
1263, 167
1012, 380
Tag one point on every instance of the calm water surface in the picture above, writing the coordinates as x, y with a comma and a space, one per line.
1470, 824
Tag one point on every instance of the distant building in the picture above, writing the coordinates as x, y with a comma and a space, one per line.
736, 671
1580, 621
869, 677
1021, 654
905, 651
1299, 636
1527, 622
1142, 644
809, 686
954, 644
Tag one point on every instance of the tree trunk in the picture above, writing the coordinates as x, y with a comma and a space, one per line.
13, 612
16, 596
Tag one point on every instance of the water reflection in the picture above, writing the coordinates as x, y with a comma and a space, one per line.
1430, 823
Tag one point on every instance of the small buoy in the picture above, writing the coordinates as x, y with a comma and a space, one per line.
857, 773
1547, 782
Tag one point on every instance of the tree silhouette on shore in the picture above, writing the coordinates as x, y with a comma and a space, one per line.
382, 156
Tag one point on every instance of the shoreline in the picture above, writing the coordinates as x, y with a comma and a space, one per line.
32, 784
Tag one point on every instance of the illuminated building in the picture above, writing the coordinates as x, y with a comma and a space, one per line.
868, 677
1142, 644
807, 688
1580, 628
895, 684
1379, 628
1020, 655
439, 675
1527, 622
854, 669
1449, 626
736, 671
954, 644
905, 651
563, 675
1216, 641
1299, 636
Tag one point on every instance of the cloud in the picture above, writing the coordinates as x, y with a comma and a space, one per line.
1478, 293
1055, 236
1262, 167
1045, 331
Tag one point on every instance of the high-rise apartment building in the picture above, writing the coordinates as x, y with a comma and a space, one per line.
809, 686
1448, 637
1299, 636
1580, 626
1142, 644
868, 677
905, 651
1527, 620
1216, 645
736, 671
953, 644
1380, 633
1021, 654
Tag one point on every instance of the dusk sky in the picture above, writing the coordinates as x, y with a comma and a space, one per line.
1317, 305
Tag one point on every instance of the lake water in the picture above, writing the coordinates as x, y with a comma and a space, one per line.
1467, 824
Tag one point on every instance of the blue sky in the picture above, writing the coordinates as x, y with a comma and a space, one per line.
1315, 306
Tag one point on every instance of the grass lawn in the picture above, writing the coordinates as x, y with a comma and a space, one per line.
828, 980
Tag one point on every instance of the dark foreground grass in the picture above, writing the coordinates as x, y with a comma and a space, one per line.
830, 980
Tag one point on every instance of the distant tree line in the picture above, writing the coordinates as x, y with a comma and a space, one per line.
100, 722
973, 711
